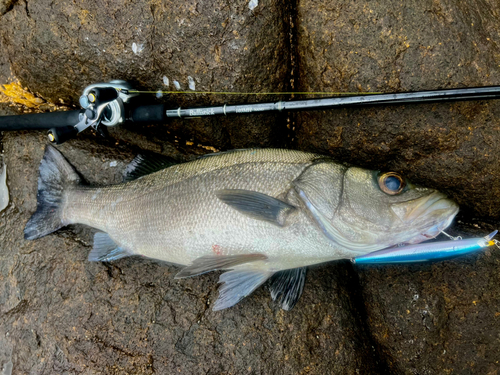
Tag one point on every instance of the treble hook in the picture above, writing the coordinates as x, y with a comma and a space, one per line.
451, 237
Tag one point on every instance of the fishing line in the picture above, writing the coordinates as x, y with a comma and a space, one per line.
250, 93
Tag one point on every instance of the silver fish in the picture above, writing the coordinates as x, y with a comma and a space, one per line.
257, 214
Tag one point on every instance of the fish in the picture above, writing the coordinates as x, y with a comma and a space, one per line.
255, 214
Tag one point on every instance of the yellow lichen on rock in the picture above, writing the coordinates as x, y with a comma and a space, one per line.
15, 94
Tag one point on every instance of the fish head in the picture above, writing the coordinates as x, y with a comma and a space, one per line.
374, 210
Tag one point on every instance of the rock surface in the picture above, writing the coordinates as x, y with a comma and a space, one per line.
407, 46
62, 314
57, 48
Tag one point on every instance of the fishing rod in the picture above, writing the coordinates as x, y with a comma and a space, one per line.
111, 104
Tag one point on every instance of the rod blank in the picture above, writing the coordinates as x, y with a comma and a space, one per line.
474, 93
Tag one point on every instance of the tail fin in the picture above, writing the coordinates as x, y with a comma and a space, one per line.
56, 175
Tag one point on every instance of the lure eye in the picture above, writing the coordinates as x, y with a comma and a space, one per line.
391, 183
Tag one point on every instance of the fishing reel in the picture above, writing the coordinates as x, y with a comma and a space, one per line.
102, 104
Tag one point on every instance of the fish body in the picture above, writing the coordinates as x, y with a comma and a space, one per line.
175, 215
257, 213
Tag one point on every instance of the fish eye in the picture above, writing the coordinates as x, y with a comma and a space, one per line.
391, 183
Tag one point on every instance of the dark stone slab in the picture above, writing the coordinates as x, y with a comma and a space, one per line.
407, 46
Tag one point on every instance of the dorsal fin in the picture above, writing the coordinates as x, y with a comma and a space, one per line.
143, 165
227, 152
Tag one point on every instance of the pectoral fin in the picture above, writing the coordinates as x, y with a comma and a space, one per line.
257, 205
105, 249
287, 287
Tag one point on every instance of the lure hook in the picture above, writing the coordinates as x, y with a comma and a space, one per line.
451, 237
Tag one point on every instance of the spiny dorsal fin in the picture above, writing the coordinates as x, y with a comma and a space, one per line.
227, 152
287, 286
256, 205
105, 249
143, 165
217, 262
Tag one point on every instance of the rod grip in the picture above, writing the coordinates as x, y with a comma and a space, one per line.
39, 120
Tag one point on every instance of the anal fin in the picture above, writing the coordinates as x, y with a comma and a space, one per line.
287, 286
105, 249
237, 284
217, 262
247, 273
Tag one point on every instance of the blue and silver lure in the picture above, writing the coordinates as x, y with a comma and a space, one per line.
428, 251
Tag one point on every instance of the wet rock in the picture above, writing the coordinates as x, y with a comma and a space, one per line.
56, 48
4, 65
132, 316
5, 6
427, 319
406, 46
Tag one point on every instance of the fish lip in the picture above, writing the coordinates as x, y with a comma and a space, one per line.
429, 215
436, 228
423, 207
445, 223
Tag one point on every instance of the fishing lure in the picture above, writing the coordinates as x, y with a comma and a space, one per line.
428, 251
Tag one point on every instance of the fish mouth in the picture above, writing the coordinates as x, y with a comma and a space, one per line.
439, 213
431, 215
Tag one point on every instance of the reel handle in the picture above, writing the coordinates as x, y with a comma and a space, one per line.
62, 134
